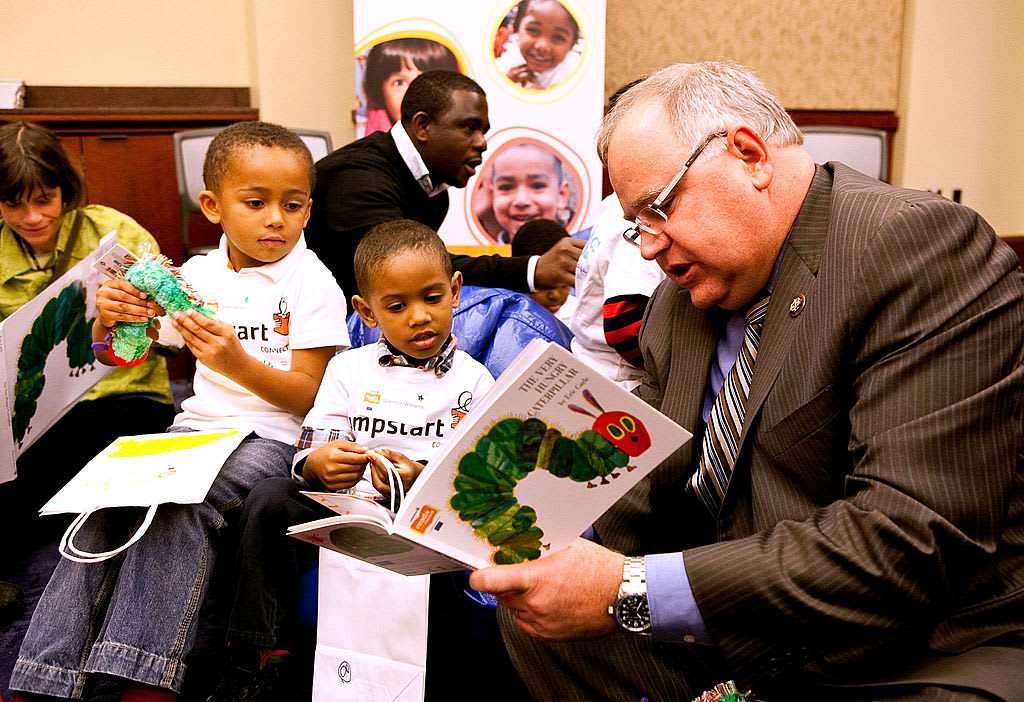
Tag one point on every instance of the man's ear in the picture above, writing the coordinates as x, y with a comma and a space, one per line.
749, 147
456, 288
365, 313
210, 206
420, 123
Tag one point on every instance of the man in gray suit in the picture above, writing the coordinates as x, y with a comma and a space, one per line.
859, 535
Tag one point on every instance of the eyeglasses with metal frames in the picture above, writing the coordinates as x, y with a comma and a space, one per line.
651, 218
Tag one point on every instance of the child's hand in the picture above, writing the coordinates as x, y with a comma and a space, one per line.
212, 341
521, 75
336, 465
153, 332
117, 300
408, 470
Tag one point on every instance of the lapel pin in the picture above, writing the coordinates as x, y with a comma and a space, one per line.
796, 306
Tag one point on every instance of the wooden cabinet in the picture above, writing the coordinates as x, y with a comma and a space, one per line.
133, 173
122, 140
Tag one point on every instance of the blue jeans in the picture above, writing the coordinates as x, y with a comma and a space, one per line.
134, 616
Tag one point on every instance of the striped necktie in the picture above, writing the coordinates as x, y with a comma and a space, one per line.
722, 436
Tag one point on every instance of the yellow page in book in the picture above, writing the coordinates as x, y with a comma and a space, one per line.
130, 446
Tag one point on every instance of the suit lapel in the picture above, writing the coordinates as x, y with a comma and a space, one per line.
688, 336
694, 341
796, 277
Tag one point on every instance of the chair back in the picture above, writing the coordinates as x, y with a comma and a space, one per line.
189, 153
862, 149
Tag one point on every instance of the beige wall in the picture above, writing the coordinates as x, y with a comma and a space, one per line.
814, 54
124, 42
306, 81
296, 57
954, 87
961, 108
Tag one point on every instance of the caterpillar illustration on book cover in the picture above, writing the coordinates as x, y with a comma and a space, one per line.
63, 317
513, 448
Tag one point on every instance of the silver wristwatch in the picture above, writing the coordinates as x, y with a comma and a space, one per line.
630, 608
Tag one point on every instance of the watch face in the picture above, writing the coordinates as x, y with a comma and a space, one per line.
632, 614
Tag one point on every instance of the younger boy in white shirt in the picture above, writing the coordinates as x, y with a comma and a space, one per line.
401, 397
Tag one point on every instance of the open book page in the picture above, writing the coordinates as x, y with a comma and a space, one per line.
46, 358
539, 458
353, 503
362, 530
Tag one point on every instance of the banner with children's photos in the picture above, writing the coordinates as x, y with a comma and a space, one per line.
46, 357
541, 63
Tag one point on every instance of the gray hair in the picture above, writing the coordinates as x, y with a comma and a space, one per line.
702, 98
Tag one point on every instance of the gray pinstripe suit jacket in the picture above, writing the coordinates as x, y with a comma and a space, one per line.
875, 520
877, 508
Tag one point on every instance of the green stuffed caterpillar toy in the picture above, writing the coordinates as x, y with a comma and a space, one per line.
155, 275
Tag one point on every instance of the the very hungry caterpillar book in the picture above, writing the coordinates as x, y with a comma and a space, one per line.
541, 456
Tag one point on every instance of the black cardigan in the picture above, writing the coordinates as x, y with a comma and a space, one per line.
367, 182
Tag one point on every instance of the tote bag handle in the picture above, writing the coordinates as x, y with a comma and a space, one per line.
79, 556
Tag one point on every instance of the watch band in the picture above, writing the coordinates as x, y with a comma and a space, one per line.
634, 577
630, 609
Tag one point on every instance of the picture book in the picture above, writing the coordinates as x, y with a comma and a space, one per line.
46, 358
538, 458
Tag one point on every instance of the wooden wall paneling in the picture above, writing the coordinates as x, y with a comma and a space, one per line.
134, 173
72, 145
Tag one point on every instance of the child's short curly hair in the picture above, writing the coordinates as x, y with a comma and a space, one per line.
535, 237
245, 135
383, 241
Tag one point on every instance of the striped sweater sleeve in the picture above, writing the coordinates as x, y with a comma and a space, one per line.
622, 315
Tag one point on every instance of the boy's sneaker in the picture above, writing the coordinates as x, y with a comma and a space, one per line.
272, 681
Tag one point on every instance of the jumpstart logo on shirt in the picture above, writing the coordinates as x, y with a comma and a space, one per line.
281, 317
264, 334
394, 416
377, 425
462, 408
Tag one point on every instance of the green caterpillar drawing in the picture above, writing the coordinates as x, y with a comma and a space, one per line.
513, 448
63, 317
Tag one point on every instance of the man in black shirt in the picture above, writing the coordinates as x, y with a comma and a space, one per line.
404, 174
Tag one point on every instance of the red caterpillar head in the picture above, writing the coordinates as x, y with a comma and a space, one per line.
622, 429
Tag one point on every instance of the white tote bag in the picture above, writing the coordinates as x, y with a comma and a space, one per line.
371, 643
141, 471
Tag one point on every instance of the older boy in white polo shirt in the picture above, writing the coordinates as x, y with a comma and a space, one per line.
259, 366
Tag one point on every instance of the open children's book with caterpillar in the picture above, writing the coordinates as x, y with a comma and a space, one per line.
549, 448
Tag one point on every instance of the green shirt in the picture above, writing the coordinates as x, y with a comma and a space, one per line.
20, 282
